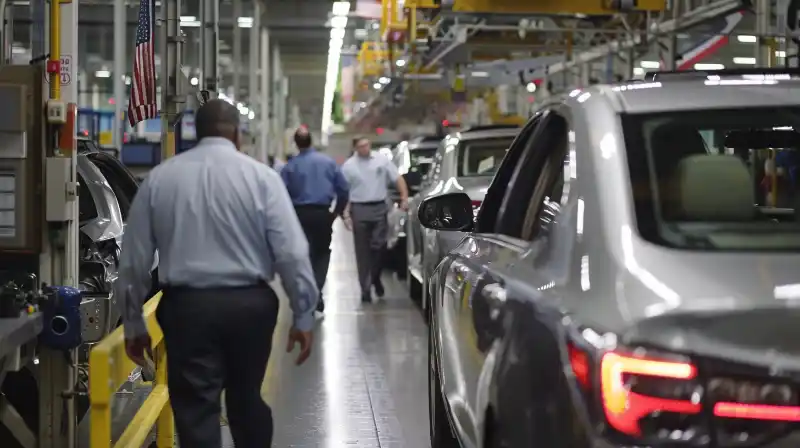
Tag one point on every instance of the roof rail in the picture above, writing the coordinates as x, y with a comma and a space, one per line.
694, 74
489, 127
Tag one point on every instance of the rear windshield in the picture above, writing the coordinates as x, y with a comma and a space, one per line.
717, 180
482, 157
421, 160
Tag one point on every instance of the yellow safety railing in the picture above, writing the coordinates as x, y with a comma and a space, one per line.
109, 369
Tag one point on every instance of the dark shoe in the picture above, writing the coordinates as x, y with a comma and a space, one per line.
321, 306
378, 285
366, 298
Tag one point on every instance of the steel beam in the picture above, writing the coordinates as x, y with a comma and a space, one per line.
237, 51
118, 73
209, 45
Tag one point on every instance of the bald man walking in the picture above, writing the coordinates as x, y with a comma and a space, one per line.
223, 225
314, 182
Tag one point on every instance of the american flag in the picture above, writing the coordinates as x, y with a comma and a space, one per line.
142, 105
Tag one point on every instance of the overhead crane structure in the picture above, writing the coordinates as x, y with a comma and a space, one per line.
559, 44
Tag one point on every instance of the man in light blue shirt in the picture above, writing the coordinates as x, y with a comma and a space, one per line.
369, 175
223, 226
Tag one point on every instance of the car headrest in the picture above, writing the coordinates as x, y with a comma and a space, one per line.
714, 188
672, 143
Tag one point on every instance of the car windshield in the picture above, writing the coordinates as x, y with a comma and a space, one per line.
717, 180
482, 157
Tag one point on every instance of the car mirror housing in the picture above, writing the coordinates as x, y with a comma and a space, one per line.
450, 211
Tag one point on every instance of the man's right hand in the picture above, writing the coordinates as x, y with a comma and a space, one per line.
305, 339
348, 223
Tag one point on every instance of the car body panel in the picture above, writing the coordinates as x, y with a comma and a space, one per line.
502, 306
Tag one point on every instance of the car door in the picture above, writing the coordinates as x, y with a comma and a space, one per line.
475, 286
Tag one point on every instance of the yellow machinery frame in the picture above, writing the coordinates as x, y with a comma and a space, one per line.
371, 58
109, 369
541, 7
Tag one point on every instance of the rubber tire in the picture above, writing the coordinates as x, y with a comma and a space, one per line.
441, 434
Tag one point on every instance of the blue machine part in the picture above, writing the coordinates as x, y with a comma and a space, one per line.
62, 318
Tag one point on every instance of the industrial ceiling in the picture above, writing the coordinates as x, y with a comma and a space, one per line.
299, 28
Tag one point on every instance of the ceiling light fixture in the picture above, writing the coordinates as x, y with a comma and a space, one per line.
194, 81
479, 74
339, 12
746, 39
780, 54
531, 87
251, 115
245, 22
400, 63
709, 67
377, 86
384, 80
744, 61
102, 74
650, 64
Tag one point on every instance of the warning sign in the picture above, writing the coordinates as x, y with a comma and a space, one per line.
66, 70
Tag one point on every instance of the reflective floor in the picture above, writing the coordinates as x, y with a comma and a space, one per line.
365, 385
366, 382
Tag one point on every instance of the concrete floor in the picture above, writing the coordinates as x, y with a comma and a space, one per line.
365, 384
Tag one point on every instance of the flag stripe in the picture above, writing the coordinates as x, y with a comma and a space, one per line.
143, 105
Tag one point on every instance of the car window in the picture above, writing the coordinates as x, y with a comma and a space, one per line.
722, 180
492, 205
482, 157
549, 192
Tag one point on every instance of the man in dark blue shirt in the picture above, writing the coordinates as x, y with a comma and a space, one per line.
314, 181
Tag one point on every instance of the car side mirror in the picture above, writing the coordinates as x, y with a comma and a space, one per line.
450, 211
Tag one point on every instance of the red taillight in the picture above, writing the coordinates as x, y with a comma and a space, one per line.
624, 407
476, 204
653, 397
757, 412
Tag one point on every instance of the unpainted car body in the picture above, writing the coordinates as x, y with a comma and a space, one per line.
567, 317
454, 168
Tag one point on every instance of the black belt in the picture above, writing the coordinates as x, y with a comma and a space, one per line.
166, 288
313, 206
370, 203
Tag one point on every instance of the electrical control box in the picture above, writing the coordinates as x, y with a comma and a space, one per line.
59, 189
22, 148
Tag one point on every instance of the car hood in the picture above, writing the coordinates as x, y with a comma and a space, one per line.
733, 305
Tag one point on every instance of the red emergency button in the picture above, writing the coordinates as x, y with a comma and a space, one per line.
53, 67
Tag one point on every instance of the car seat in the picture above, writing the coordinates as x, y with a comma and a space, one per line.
714, 188
671, 144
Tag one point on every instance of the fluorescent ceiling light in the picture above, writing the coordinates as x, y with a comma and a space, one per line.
479, 74
188, 18
531, 87
338, 22
709, 67
245, 22
340, 8
400, 62
650, 64
377, 86
638, 71
337, 33
190, 24
744, 61
194, 81
746, 39
251, 115
102, 74
384, 80
780, 54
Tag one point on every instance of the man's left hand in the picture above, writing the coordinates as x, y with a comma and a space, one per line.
404, 205
137, 347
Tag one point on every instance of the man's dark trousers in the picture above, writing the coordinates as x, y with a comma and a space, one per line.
317, 223
219, 338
